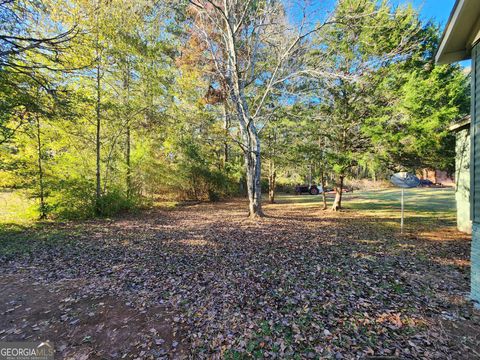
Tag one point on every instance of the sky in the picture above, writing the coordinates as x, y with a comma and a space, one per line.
438, 10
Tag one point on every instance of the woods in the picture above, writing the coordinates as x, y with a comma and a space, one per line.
210, 179
111, 106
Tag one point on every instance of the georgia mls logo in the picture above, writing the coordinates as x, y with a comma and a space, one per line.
23, 350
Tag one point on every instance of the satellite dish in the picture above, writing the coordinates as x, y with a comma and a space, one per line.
405, 180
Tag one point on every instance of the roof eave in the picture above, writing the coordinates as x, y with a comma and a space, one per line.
448, 58
460, 32
447, 31
461, 124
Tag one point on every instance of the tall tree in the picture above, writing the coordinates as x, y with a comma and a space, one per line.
417, 104
29, 49
277, 136
345, 59
247, 44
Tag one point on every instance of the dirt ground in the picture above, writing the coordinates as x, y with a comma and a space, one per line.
204, 281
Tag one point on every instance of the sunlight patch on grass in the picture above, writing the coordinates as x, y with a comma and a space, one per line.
421, 204
445, 235
361, 255
369, 242
17, 208
406, 246
452, 262
166, 204
196, 242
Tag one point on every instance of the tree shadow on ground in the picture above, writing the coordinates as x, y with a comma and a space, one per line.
297, 282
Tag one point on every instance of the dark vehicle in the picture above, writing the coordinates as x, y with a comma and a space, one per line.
426, 183
312, 190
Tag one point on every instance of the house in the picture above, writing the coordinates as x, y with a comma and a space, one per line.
460, 41
461, 129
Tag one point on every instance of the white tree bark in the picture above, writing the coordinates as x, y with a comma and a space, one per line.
236, 32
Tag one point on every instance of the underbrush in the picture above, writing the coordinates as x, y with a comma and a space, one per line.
367, 184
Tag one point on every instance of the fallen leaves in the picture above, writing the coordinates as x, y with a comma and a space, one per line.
295, 284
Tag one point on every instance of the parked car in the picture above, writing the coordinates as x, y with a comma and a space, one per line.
312, 190
426, 183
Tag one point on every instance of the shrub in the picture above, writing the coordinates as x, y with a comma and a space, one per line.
115, 201
72, 199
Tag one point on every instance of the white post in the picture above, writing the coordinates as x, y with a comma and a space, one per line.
401, 221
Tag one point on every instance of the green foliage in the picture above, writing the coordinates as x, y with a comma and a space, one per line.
72, 199
115, 201
387, 107
412, 132
354, 51
197, 178
371, 101
166, 150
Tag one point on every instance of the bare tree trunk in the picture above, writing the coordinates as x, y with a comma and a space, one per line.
257, 201
43, 210
272, 177
324, 196
253, 170
251, 141
126, 87
128, 163
337, 204
98, 192
251, 149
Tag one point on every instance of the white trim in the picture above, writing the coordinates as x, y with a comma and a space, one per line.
449, 29
452, 57
475, 36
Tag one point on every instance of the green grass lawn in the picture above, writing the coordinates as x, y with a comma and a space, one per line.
20, 230
421, 204
16, 207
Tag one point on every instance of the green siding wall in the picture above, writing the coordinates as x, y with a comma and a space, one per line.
475, 267
475, 175
462, 180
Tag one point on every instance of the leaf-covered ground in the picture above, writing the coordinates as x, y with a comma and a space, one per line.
203, 281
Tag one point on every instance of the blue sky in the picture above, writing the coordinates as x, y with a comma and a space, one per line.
438, 10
